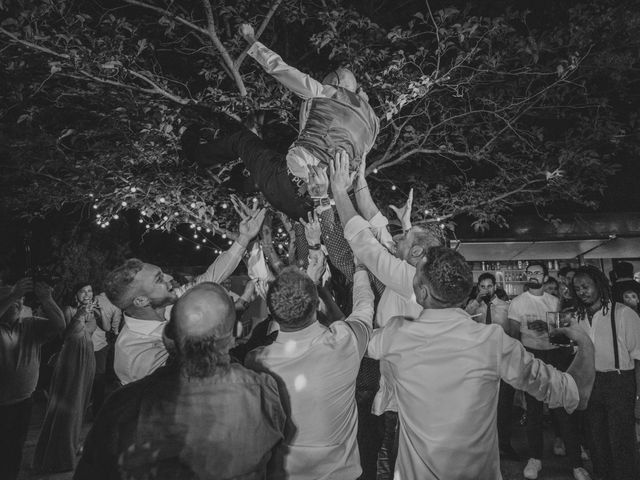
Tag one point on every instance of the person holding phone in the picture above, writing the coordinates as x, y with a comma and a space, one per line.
527, 316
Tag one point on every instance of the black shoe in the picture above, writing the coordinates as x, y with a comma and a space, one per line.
507, 452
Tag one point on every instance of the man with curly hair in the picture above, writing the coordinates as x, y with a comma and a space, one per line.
316, 367
448, 370
615, 401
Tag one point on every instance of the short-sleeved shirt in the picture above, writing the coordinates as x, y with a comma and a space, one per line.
20, 344
527, 307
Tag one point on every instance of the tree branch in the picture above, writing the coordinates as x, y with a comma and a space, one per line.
380, 165
211, 31
34, 46
163, 11
260, 31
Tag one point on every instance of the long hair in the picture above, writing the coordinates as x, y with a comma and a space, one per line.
601, 284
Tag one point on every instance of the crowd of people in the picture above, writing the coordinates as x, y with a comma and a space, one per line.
434, 368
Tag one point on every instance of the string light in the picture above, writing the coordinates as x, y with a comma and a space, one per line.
195, 235
208, 230
204, 240
197, 247
224, 235
161, 200
140, 220
133, 189
91, 195
116, 216
165, 218
95, 207
124, 204
198, 228
179, 239
393, 187
143, 213
156, 226
230, 242
175, 214
192, 226
193, 205
224, 205
426, 212
375, 170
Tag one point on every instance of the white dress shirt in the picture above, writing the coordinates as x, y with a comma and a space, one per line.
397, 299
139, 350
499, 309
317, 368
628, 333
447, 370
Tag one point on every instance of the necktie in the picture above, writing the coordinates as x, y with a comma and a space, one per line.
488, 317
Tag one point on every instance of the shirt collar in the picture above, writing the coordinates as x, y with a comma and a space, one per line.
144, 327
435, 315
308, 332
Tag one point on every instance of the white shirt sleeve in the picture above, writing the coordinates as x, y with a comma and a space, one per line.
361, 318
630, 332
301, 84
523, 371
219, 270
390, 270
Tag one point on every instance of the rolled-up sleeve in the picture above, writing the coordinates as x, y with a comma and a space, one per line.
523, 371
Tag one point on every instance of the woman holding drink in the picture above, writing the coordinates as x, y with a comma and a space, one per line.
70, 393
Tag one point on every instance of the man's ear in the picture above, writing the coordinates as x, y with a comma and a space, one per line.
416, 251
141, 302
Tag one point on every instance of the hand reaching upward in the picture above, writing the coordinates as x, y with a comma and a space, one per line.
404, 213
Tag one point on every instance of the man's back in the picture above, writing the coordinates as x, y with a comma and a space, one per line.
317, 367
219, 427
447, 368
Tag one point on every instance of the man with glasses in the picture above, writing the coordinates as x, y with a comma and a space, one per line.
527, 317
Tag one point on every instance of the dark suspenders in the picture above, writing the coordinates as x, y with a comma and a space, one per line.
614, 333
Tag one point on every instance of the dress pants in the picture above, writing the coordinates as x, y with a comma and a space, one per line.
611, 421
267, 167
505, 414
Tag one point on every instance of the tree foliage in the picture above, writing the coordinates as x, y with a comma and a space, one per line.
475, 110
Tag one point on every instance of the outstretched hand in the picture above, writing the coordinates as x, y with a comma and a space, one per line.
341, 178
312, 230
247, 32
252, 218
404, 213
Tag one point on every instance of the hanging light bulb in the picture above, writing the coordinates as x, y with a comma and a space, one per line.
139, 220
133, 189
198, 228
195, 235
192, 226
224, 205
230, 242
197, 247
179, 239
95, 207
124, 204
224, 235
393, 187
116, 216
162, 200
193, 205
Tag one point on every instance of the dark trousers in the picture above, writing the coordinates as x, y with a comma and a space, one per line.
389, 449
14, 424
611, 421
568, 424
505, 414
268, 170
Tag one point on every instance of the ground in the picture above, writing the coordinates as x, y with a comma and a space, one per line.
554, 468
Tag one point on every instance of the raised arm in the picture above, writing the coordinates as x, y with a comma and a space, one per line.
225, 264
50, 307
301, 84
361, 318
390, 270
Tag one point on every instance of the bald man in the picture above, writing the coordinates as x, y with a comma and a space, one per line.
191, 418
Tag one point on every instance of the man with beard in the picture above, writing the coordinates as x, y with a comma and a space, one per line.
527, 316
615, 400
143, 292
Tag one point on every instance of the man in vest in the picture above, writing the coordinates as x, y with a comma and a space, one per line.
335, 114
